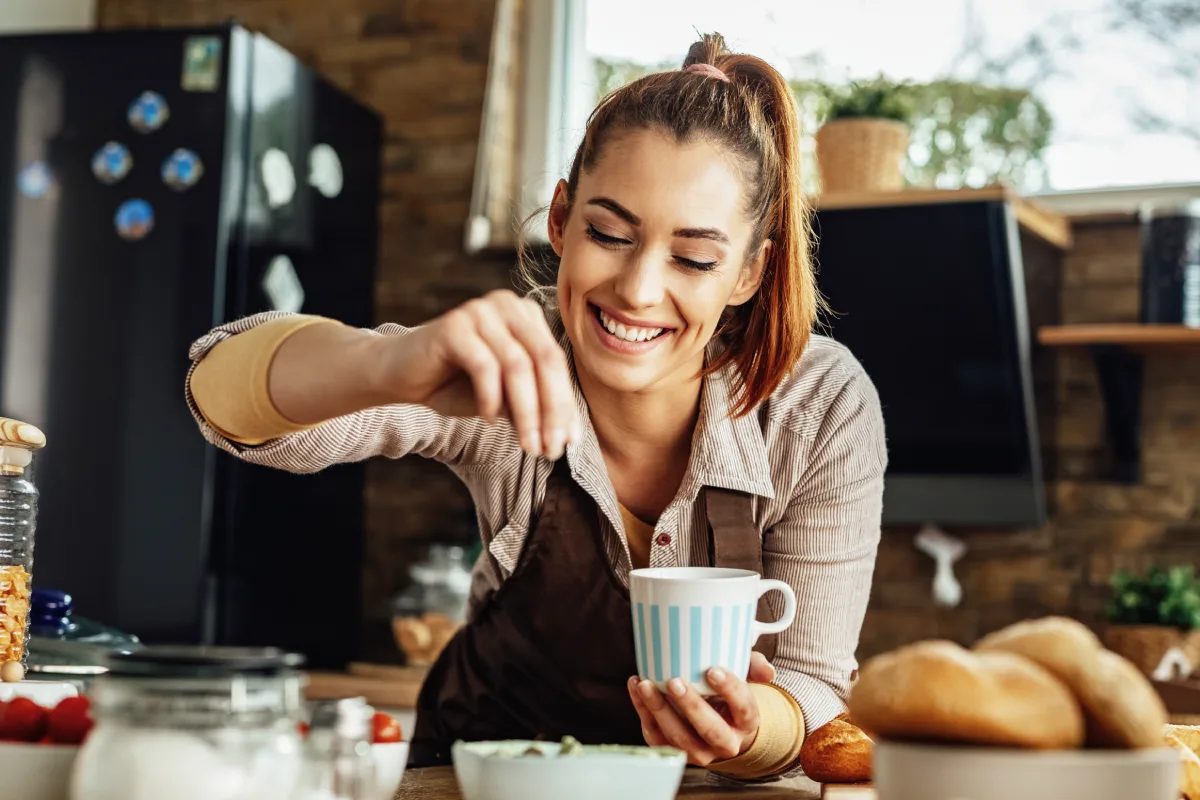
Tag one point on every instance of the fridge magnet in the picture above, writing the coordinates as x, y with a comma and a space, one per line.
282, 285
112, 162
134, 220
182, 169
148, 112
201, 64
325, 170
278, 177
35, 180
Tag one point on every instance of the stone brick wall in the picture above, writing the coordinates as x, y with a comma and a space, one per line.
423, 64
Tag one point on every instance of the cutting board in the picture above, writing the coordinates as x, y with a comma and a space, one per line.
847, 791
381, 684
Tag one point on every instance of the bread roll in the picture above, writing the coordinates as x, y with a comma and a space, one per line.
1120, 706
936, 690
837, 752
1188, 734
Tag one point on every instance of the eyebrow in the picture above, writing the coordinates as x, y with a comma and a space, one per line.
713, 234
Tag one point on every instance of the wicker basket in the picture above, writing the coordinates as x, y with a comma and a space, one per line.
862, 155
1145, 645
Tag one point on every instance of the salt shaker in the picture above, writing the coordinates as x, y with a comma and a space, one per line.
18, 520
337, 761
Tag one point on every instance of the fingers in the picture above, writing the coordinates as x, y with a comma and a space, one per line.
761, 670
517, 369
721, 739
743, 710
677, 732
650, 730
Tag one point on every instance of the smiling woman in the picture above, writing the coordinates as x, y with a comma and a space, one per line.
672, 362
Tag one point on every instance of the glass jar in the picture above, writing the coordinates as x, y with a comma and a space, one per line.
193, 723
18, 521
428, 614
337, 755
1171, 263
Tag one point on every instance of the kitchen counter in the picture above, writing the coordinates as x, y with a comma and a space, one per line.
437, 783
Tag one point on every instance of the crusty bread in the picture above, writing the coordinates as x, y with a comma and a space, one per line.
937, 690
1190, 783
837, 752
1188, 734
1120, 705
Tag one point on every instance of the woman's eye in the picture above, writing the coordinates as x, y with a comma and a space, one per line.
701, 266
604, 238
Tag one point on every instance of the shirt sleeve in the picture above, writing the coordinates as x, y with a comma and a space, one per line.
231, 391
824, 547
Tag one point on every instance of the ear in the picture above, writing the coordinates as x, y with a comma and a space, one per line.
751, 277
556, 220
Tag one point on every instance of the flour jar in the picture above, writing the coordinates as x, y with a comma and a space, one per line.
193, 723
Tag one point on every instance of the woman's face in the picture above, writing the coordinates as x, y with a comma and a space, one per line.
653, 251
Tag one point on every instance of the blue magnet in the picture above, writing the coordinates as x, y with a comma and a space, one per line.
148, 112
35, 180
182, 169
134, 219
111, 163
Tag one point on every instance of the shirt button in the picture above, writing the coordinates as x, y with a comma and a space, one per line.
664, 539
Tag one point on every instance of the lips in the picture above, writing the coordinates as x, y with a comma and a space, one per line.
621, 335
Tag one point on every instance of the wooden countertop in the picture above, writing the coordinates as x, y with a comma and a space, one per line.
1047, 225
437, 783
382, 685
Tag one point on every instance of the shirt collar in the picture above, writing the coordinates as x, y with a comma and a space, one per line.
727, 452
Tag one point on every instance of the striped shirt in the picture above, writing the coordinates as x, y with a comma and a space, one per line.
812, 455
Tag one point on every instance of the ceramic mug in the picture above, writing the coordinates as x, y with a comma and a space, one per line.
687, 620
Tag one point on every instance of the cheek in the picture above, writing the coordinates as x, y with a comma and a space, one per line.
703, 300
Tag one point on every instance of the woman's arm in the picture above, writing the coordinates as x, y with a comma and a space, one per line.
302, 393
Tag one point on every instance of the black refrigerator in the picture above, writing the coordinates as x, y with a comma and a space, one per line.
154, 184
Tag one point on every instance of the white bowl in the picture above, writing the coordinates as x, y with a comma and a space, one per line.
390, 760
905, 771
490, 771
36, 771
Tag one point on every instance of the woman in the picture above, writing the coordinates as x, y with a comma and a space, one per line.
701, 424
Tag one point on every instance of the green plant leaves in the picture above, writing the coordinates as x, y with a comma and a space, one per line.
1169, 597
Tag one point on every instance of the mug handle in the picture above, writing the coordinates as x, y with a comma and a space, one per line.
757, 628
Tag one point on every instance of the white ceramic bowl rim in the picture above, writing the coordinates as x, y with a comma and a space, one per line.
694, 573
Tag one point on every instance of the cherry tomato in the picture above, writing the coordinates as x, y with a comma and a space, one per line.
71, 720
303, 727
23, 721
386, 729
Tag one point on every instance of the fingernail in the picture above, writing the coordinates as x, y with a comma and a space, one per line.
534, 441
633, 681
554, 444
716, 675
576, 432
677, 688
646, 688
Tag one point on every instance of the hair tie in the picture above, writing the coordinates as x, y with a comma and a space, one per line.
707, 69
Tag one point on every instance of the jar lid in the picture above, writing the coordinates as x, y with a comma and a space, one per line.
179, 661
18, 440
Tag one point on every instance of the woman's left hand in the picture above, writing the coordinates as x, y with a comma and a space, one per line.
708, 730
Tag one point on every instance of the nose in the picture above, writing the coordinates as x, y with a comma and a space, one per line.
641, 283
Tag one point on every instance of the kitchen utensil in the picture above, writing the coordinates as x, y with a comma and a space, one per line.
687, 620
904, 771
497, 771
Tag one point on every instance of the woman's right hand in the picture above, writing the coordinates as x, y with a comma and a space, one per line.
493, 357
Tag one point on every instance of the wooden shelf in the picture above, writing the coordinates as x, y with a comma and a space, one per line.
1133, 336
1118, 351
1052, 227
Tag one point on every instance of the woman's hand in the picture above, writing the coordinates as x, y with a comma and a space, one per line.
495, 357
707, 730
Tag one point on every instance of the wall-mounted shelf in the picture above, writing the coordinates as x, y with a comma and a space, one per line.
1118, 351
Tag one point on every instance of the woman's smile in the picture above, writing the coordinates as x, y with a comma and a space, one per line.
624, 334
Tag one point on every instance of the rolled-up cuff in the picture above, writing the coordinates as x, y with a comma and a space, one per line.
780, 736
229, 385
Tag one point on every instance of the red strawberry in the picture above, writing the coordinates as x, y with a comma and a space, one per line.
71, 720
23, 721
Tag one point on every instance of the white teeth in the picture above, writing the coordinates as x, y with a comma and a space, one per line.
628, 332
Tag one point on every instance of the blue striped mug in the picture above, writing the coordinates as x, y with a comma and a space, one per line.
687, 620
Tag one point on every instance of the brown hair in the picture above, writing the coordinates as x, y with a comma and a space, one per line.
754, 116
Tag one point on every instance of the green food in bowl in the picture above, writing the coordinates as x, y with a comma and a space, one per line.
568, 747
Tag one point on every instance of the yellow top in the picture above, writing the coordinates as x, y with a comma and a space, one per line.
230, 389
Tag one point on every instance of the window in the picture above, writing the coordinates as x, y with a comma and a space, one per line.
1120, 79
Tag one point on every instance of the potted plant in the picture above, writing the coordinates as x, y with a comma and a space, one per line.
863, 142
1151, 614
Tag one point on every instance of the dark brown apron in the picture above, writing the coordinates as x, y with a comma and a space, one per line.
550, 651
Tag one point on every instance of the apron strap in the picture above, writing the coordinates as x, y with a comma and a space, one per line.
737, 544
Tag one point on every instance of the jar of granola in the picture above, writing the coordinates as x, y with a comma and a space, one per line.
18, 519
